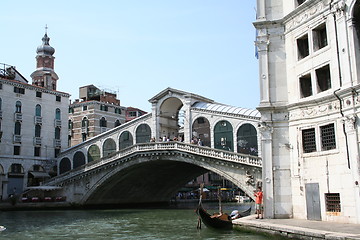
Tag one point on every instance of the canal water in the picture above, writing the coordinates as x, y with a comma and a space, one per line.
112, 224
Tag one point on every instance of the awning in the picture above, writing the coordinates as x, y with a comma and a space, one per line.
40, 174
44, 188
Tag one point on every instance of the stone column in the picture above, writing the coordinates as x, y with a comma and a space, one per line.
187, 121
353, 158
266, 131
260, 11
262, 43
155, 122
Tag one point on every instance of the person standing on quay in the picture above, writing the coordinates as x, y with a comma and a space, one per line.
259, 203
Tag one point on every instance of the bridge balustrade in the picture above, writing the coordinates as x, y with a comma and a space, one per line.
146, 147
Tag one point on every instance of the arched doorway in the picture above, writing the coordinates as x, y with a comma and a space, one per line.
169, 118
223, 136
125, 140
79, 159
65, 165
201, 130
143, 133
109, 147
93, 153
246, 138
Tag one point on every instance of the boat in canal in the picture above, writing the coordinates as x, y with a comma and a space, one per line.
217, 220
2, 228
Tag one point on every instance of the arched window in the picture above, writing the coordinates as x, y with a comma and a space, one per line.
70, 124
79, 159
102, 122
37, 130
65, 165
17, 130
109, 147
93, 153
38, 110
223, 136
117, 123
18, 107
143, 133
57, 133
57, 114
247, 140
84, 122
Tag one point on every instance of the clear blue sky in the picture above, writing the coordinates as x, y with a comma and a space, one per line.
139, 47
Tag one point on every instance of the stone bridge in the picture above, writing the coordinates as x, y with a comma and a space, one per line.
153, 173
129, 164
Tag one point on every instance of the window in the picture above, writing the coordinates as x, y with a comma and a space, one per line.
332, 201
327, 134
323, 78
320, 37
18, 107
308, 140
57, 114
70, 124
37, 151
37, 130
57, 133
117, 123
57, 152
132, 114
104, 108
71, 110
84, 108
118, 110
39, 94
1, 86
17, 130
38, 110
303, 47
0, 103
58, 98
305, 86
16, 151
299, 2
200, 120
19, 90
85, 122
103, 122
83, 137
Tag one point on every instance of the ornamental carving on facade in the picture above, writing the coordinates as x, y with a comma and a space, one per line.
349, 121
313, 111
300, 18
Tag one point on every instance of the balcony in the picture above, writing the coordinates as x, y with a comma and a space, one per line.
57, 143
71, 133
103, 129
17, 138
85, 130
0, 114
57, 123
38, 120
18, 116
37, 141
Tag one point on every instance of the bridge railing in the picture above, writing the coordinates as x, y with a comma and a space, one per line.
156, 146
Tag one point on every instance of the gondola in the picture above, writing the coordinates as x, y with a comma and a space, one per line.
219, 221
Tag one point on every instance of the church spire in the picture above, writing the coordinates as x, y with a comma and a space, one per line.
44, 75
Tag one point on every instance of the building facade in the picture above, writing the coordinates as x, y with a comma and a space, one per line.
309, 72
33, 124
94, 113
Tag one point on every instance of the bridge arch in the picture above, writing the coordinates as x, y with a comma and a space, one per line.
157, 177
64, 165
201, 129
109, 147
247, 139
125, 140
143, 133
223, 135
93, 153
79, 159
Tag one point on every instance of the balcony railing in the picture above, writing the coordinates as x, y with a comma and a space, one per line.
17, 138
57, 143
37, 141
57, 123
38, 120
0, 114
103, 129
71, 133
18, 116
84, 130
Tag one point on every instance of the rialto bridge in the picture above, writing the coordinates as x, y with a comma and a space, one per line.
148, 159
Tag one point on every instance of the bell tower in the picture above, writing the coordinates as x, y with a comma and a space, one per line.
44, 75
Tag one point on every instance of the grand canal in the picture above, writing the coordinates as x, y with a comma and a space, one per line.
111, 224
